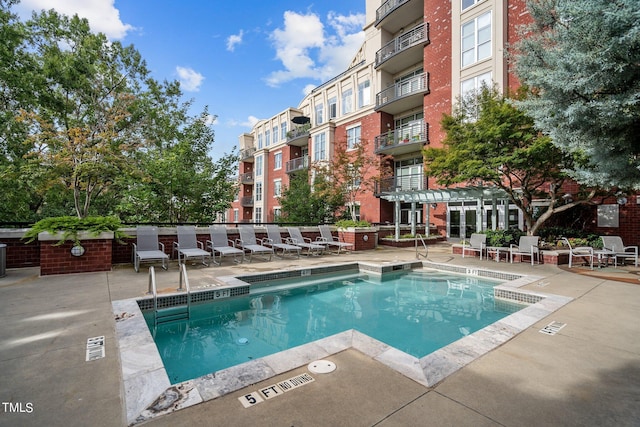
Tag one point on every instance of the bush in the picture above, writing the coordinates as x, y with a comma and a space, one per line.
503, 238
345, 223
71, 226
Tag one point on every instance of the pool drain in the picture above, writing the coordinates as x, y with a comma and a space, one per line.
243, 341
322, 367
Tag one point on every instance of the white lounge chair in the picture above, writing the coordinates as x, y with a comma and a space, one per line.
222, 245
296, 238
477, 243
274, 240
584, 253
148, 247
527, 246
619, 250
248, 242
188, 246
327, 239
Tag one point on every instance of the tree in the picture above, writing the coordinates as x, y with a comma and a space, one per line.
583, 59
304, 203
489, 139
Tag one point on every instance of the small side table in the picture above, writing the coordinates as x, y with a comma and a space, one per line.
496, 251
603, 256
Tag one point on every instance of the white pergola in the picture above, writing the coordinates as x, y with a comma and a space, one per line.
445, 195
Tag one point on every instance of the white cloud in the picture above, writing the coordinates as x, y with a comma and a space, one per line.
211, 120
250, 122
234, 40
190, 80
308, 88
102, 15
308, 50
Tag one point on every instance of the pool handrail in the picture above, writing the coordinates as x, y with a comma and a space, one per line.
426, 249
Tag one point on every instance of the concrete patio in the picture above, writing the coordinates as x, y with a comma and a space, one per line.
588, 374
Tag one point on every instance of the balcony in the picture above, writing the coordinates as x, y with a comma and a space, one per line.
299, 136
403, 51
246, 202
406, 139
295, 165
395, 14
392, 184
403, 95
246, 178
247, 154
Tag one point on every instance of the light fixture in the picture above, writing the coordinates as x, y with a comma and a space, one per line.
77, 250
622, 200
434, 205
568, 198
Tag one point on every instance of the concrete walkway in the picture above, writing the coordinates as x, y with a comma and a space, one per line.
586, 375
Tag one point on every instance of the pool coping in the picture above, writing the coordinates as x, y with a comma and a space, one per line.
149, 393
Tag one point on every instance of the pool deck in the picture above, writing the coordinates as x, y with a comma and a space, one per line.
588, 374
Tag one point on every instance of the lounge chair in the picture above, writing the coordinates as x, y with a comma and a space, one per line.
274, 240
614, 245
147, 247
188, 246
527, 246
584, 253
477, 243
222, 245
327, 239
248, 242
296, 238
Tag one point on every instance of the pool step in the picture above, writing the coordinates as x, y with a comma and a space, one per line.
171, 314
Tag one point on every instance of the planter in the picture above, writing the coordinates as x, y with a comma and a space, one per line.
410, 242
94, 254
362, 238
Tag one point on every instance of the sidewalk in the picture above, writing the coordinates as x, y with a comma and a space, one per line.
588, 374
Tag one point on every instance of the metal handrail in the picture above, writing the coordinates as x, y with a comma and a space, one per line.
153, 291
424, 244
184, 277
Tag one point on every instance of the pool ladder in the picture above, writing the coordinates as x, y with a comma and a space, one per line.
426, 248
177, 312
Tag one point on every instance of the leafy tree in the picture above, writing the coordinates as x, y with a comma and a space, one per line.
304, 203
489, 139
583, 59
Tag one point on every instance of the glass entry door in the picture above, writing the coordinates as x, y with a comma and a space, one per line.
462, 221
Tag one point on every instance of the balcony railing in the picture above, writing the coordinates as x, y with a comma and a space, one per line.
246, 202
420, 34
415, 132
298, 133
246, 178
412, 86
247, 153
295, 165
415, 182
388, 7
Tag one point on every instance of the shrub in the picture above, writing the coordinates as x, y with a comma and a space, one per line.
503, 238
345, 223
71, 226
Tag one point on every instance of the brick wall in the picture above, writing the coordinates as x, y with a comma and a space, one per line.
361, 240
58, 259
21, 254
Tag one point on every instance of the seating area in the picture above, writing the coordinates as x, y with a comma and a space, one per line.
477, 243
148, 247
274, 241
618, 251
330, 241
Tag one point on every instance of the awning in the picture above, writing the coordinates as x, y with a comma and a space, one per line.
446, 194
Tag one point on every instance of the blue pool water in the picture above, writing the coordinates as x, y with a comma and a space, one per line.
415, 312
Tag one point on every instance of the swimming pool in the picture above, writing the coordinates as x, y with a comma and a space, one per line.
415, 312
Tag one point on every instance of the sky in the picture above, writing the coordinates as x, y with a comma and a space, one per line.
245, 60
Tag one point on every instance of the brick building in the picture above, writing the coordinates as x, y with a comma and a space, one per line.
418, 57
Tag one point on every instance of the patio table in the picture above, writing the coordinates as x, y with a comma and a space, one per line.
496, 251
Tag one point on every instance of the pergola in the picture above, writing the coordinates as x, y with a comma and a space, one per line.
444, 195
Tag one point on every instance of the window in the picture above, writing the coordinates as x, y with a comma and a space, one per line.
347, 101
469, 3
236, 215
257, 218
319, 114
259, 165
364, 94
258, 191
267, 138
319, 147
283, 131
353, 137
277, 161
476, 39
277, 188
275, 134
277, 213
470, 85
333, 108
259, 141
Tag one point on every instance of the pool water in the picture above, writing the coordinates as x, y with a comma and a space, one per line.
416, 312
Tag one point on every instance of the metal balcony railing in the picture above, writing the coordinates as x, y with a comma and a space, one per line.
246, 202
246, 178
388, 7
300, 163
414, 132
414, 85
247, 153
415, 182
298, 132
419, 34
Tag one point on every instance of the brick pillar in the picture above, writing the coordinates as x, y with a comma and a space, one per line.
362, 239
57, 259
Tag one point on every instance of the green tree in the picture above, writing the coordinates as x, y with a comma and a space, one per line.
489, 139
583, 59
303, 203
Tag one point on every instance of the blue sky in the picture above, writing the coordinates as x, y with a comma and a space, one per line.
246, 60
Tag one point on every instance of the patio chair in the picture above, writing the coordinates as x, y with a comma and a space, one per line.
147, 247
222, 245
188, 246
248, 242
296, 238
327, 239
614, 245
584, 253
527, 246
274, 240
477, 243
